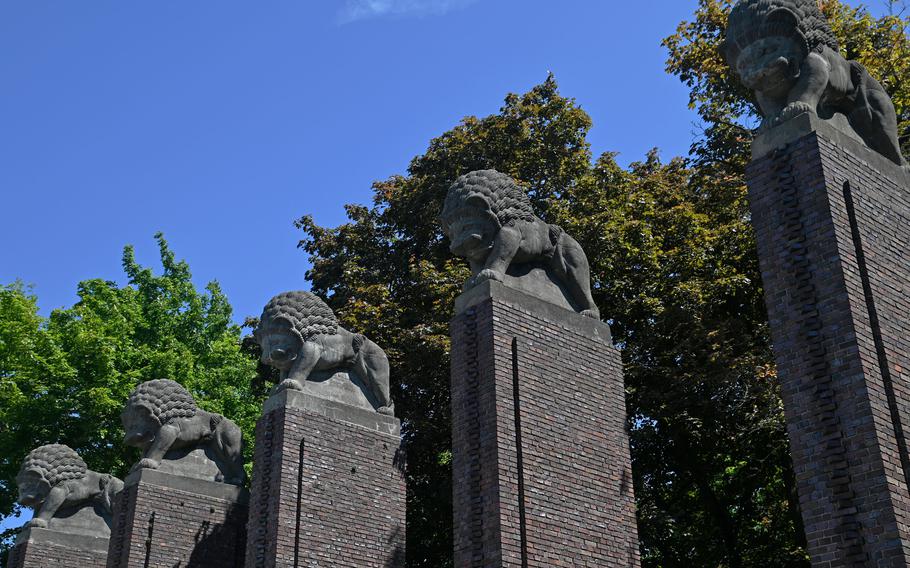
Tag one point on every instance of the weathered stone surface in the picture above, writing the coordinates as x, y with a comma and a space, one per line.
832, 223
198, 463
163, 420
786, 53
41, 548
66, 495
300, 336
328, 486
541, 472
489, 220
164, 520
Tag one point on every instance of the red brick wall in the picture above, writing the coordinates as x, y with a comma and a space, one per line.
832, 223
550, 486
325, 493
160, 525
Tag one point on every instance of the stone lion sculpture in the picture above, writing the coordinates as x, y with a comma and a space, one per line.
786, 53
161, 415
299, 334
489, 220
54, 477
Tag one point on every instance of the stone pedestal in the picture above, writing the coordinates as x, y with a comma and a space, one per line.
166, 520
542, 471
40, 548
328, 486
832, 223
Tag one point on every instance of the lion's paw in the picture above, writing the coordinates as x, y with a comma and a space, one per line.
793, 110
594, 314
387, 410
288, 384
148, 463
38, 523
483, 276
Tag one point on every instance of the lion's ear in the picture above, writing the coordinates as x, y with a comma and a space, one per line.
781, 22
147, 411
478, 201
783, 17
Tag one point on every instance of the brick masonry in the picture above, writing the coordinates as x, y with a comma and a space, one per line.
328, 487
41, 548
542, 473
164, 520
832, 224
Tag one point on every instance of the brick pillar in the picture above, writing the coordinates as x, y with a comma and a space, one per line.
542, 472
832, 223
165, 520
40, 548
328, 486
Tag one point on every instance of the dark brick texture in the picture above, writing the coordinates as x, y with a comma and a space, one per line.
326, 492
541, 457
832, 223
168, 521
63, 554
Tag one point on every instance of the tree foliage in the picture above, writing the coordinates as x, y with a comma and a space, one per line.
727, 109
673, 270
65, 378
673, 267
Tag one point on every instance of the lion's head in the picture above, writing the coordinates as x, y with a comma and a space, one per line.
151, 405
767, 41
288, 321
44, 468
477, 205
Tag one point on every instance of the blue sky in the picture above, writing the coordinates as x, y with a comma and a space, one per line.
219, 123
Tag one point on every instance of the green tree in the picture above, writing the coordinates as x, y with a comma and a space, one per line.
65, 378
673, 270
721, 153
728, 110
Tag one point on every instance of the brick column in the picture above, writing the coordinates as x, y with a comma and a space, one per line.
542, 473
328, 486
165, 520
40, 548
832, 223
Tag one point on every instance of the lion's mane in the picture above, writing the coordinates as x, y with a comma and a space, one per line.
751, 20
166, 399
508, 202
304, 313
56, 463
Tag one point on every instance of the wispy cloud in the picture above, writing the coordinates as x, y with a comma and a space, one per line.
354, 10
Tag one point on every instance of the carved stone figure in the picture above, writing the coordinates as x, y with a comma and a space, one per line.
785, 52
489, 220
53, 478
300, 336
161, 416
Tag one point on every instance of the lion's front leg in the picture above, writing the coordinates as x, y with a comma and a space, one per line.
806, 94
52, 503
770, 108
307, 359
505, 247
162, 443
